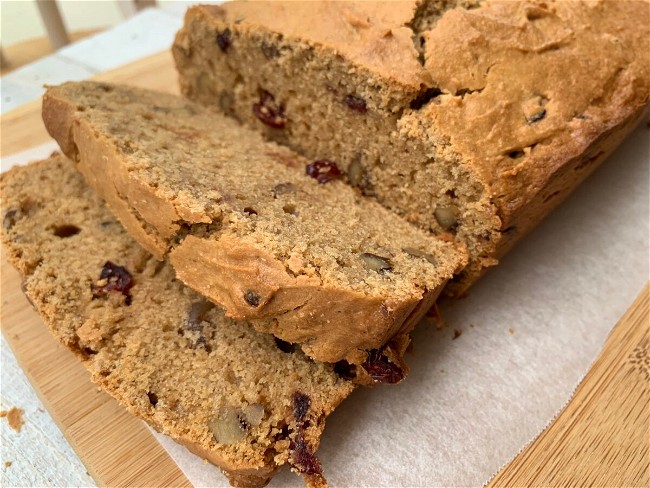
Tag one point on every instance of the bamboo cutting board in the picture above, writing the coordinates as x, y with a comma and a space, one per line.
600, 438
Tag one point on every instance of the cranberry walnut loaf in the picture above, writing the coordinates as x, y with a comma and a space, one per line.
468, 117
303, 256
230, 394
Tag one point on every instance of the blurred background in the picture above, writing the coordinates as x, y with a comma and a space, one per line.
25, 27
49, 42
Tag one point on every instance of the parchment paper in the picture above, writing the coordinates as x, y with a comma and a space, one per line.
529, 332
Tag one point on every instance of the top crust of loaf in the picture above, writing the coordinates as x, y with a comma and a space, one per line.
373, 35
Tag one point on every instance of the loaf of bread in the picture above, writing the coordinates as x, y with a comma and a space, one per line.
230, 394
253, 226
468, 117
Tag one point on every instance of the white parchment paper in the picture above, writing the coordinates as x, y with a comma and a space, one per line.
530, 330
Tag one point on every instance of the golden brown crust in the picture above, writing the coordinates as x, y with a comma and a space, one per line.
374, 35
225, 270
552, 80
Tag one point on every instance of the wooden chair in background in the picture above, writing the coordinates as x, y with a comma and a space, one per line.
25, 52
55, 27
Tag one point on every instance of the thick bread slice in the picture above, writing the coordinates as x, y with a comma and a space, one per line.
307, 259
225, 391
470, 117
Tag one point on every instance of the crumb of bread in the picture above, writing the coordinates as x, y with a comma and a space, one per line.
14, 417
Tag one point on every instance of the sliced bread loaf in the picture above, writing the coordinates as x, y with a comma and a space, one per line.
225, 391
253, 226
469, 117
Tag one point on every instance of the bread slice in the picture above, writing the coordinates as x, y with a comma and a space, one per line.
303, 256
228, 393
474, 118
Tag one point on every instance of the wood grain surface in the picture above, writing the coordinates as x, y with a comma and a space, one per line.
602, 436
599, 439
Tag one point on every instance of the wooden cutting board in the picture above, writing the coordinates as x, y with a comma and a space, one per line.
599, 439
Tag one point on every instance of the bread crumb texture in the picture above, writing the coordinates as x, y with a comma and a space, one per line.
14, 418
227, 392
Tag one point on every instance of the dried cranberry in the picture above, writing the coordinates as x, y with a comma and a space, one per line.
285, 346
382, 369
345, 370
252, 298
301, 403
323, 170
117, 279
302, 457
224, 39
269, 112
357, 104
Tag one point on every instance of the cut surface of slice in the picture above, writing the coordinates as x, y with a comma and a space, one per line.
266, 234
474, 118
227, 392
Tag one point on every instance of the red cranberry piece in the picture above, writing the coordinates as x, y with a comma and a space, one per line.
301, 403
302, 457
382, 369
117, 279
323, 170
357, 104
269, 112
224, 39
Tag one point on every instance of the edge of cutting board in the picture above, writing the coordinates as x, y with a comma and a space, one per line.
600, 438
